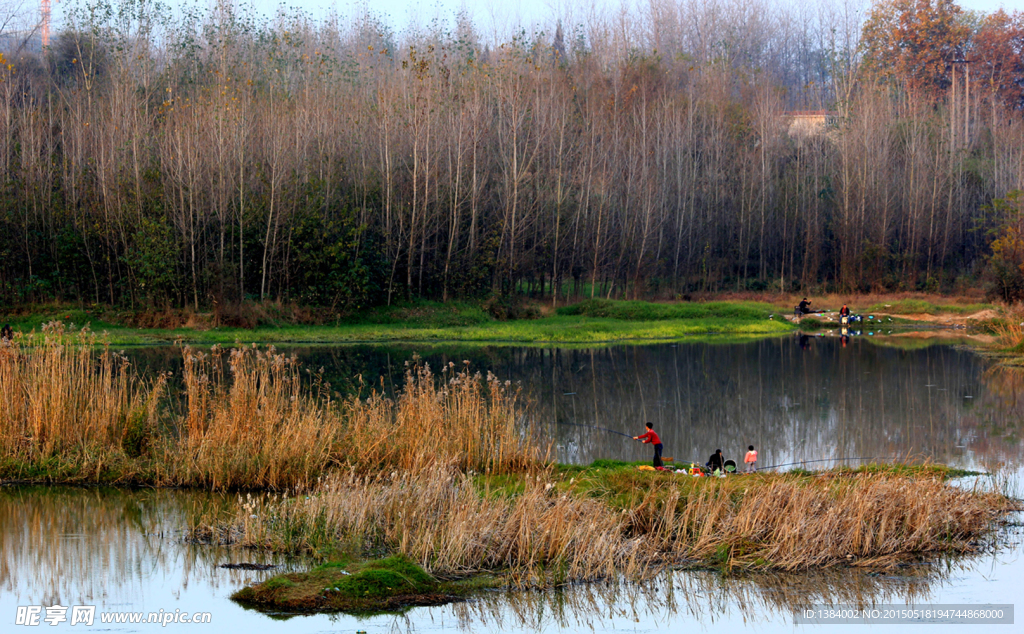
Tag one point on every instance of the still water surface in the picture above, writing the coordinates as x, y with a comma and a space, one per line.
794, 399
122, 550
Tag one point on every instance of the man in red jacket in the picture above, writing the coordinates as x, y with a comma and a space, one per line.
652, 438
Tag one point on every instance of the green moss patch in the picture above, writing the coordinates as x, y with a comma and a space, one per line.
385, 585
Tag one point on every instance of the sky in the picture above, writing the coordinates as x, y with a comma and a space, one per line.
499, 15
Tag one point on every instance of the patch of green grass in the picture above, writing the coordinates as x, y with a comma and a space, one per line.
920, 306
810, 324
381, 586
75, 319
595, 322
278, 582
422, 314
650, 311
388, 577
500, 485
909, 470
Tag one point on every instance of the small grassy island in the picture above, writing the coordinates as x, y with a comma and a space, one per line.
442, 489
570, 524
372, 586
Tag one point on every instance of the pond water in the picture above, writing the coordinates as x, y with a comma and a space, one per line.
796, 400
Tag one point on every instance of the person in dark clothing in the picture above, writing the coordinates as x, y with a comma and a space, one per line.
844, 311
805, 306
652, 438
716, 462
6, 333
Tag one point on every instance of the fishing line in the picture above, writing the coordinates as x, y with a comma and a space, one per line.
611, 431
790, 464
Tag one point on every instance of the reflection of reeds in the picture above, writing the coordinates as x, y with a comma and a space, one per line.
548, 531
80, 545
706, 596
68, 413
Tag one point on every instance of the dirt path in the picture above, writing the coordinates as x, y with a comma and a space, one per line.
951, 320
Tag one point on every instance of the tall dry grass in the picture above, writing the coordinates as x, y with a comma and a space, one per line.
246, 418
440, 519
249, 422
62, 402
1009, 331
459, 419
792, 522
549, 532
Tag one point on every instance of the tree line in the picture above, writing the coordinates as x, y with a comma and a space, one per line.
149, 160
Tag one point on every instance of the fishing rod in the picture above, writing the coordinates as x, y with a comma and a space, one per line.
611, 431
790, 464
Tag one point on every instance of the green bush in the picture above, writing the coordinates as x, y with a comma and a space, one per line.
811, 323
509, 307
135, 436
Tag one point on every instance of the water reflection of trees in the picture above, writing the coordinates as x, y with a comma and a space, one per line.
793, 403
79, 546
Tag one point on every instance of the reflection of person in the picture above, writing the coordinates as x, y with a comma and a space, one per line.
844, 338
804, 341
651, 437
715, 462
750, 459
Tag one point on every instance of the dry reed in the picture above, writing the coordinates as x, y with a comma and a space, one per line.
1009, 331
464, 420
62, 401
249, 419
551, 532
249, 424
440, 519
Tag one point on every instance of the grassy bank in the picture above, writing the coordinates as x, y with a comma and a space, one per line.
586, 323
596, 321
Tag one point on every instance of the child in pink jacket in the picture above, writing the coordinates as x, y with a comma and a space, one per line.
751, 459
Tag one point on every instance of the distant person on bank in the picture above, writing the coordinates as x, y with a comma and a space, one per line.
716, 463
651, 437
751, 459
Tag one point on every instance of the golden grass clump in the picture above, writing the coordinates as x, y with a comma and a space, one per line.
248, 418
440, 519
549, 531
1009, 331
793, 523
248, 422
464, 420
63, 401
